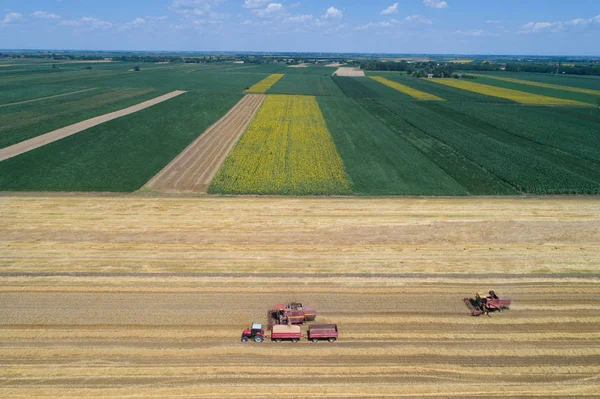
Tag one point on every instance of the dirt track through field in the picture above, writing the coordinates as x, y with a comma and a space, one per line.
40, 141
121, 296
194, 169
47, 98
347, 71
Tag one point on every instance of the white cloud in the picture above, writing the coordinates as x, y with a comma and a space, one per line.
88, 23
333, 13
45, 15
193, 7
557, 26
299, 19
493, 21
375, 25
12, 17
418, 19
472, 32
410, 20
255, 3
435, 3
136, 23
271, 10
390, 10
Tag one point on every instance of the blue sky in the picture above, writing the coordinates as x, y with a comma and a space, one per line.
535, 27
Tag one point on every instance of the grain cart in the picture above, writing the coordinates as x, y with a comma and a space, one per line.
491, 303
287, 333
318, 332
291, 313
255, 333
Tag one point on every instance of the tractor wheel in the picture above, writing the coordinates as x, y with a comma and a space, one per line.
331, 339
244, 339
258, 339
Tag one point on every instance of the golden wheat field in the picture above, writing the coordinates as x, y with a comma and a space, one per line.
121, 296
265, 84
414, 93
287, 149
509, 94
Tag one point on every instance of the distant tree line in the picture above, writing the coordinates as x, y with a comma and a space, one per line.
577, 69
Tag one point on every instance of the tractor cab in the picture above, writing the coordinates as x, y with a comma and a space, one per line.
255, 333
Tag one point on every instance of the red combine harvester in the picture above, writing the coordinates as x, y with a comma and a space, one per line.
491, 303
317, 332
291, 313
255, 333
288, 333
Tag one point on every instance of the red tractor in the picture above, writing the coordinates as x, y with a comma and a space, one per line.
255, 333
491, 303
291, 313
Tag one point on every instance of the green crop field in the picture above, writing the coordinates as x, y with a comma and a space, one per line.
120, 155
20, 122
306, 84
388, 142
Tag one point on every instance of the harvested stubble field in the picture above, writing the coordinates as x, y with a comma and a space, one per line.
114, 296
195, 167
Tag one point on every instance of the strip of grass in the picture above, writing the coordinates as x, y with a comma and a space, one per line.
445, 92
378, 160
522, 97
287, 150
264, 84
573, 130
309, 85
24, 121
470, 175
12, 94
581, 81
412, 92
523, 168
563, 92
367, 88
120, 155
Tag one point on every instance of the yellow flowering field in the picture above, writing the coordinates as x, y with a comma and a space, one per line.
265, 84
287, 149
461, 61
539, 84
414, 93
514, 95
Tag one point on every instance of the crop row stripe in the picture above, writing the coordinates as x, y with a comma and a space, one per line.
509, 94
414, 93
265, 84
540, 84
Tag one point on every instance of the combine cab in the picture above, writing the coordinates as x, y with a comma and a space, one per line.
479, 305
291, 313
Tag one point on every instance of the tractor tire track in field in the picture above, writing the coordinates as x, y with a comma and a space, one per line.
417, 342
48, 97
194, 169
40, 141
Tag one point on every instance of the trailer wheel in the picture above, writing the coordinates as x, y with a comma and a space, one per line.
315, 340
258, 339
295, 340
278, 340
331, 339
244, 339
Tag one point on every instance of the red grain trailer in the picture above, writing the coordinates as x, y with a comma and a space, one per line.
318, 332
288, 333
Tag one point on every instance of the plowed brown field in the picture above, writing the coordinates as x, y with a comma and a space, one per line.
194, 169
130, 296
